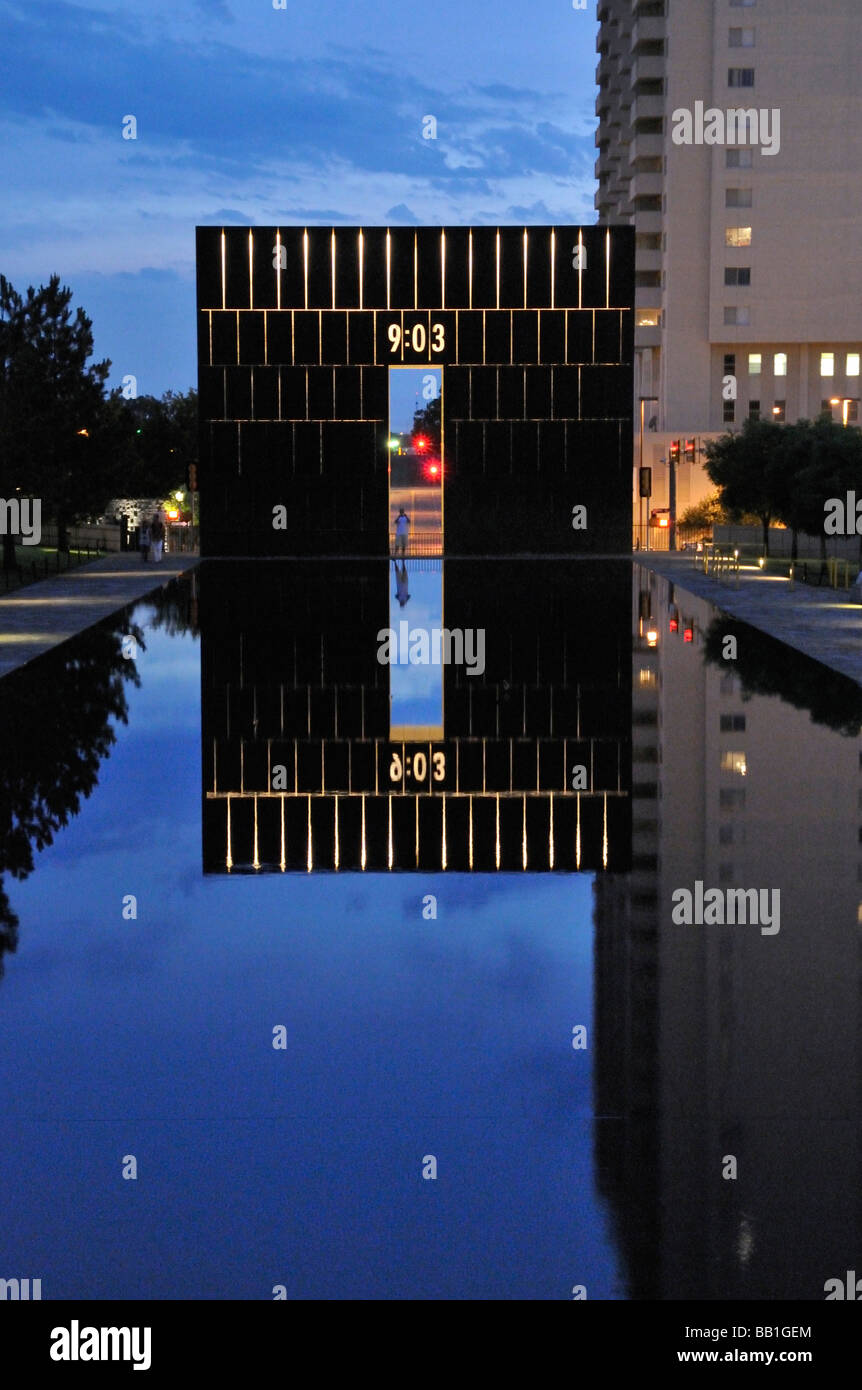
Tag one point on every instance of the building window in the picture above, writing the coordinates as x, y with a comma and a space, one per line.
827, 364
730, 364
739, 159
779, 412
732, 723
779, 364
754, 410
737, 275
742, 4
853, 364
737, 236
725, 834
729, 798
741, 38
648, 318
736, 317
852, 411
755, 363
826, 408
737, 198
728, 415
740, 77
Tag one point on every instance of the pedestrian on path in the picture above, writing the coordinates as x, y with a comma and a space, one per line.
402, 528
157, 531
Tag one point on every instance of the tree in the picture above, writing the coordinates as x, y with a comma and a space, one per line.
744, 467
50, 400
818, 460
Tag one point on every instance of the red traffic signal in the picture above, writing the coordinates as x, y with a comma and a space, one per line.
420, 443
690, 450
674, 451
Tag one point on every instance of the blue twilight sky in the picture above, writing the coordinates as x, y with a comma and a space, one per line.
247, 114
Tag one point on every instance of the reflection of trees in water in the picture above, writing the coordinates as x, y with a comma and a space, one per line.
175, 606
54, 714
766, 666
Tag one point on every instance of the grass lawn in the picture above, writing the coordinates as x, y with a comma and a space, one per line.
38, 562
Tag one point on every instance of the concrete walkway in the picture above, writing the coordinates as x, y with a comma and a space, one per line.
825, 624
41, 615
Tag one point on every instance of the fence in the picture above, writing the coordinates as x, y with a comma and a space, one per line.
104, 537
658, 537
42, 566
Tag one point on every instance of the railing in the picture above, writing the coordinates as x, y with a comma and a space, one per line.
41, 566
182, 540
658, 537
417, 545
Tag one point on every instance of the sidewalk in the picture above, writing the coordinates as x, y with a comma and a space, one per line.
825, 624
39, 616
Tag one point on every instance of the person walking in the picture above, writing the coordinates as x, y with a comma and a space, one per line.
402, 529
157, 531
144, 542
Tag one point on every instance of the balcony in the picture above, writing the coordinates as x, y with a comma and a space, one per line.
647, 337
646, 185
646, 147
649, 223
645, 108
647, 260
649, 27
648, 69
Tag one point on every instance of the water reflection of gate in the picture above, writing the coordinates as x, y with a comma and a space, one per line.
301, 771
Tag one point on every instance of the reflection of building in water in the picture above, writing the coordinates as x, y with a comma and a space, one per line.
716, 1041
301, 773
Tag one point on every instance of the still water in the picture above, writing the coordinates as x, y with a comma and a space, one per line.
167, 916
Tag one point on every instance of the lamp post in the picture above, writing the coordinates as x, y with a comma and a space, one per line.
643, 400
845, 402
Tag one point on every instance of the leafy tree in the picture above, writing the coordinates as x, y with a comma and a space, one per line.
744, 467
50, 399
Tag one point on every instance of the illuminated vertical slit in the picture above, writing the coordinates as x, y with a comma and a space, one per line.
525, 267
470, 268
337, 851
265, 343
223, 270
283, 859
309, 855
605, 833
332, 265
229, 856
497, 835
524, 834
250, 271
498, 270
415, 271
388, 267
391, 856
578, 834
470, 836
553, 258
361, 270
607, 269
256, 858
416, 847
551, 835
444, 833
278, 270
442, 270
362, 856
305, 265
580, 268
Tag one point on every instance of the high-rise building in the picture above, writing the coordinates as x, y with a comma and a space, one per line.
730, 136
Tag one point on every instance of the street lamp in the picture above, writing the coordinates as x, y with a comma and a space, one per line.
845, 402
643, 400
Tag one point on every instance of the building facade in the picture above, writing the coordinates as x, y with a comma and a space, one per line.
730, 137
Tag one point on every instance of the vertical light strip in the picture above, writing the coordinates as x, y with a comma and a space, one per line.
250, 270
524, 834
278, 270
608, 269
445, 854
470, 837
309, 856
332, 264
361, 268
337, 854
578, 834
223, 270
497, 833
362, 857
390, 833
388, 267
551, 835
470, 268
605, 834
416, 841
553, 263
256, 856
283, 861
442, 270
525, 267
415, 271
498, 268
580, 268
229, 856
305, 264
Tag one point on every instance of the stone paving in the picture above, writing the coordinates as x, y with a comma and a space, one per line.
41, 615
825, 624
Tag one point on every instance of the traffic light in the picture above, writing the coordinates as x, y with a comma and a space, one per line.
690, 450
193, 477
645, 480
674, 451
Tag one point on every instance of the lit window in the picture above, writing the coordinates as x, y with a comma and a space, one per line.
740, 77
741, 38
827, 364
779, 364
755, 363
737, 275
739, 159
779, 412
648, 318
853, 364
733, 762
737, 198
646, 677
737, 236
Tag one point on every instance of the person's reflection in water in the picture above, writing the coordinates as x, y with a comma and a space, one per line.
401, 582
